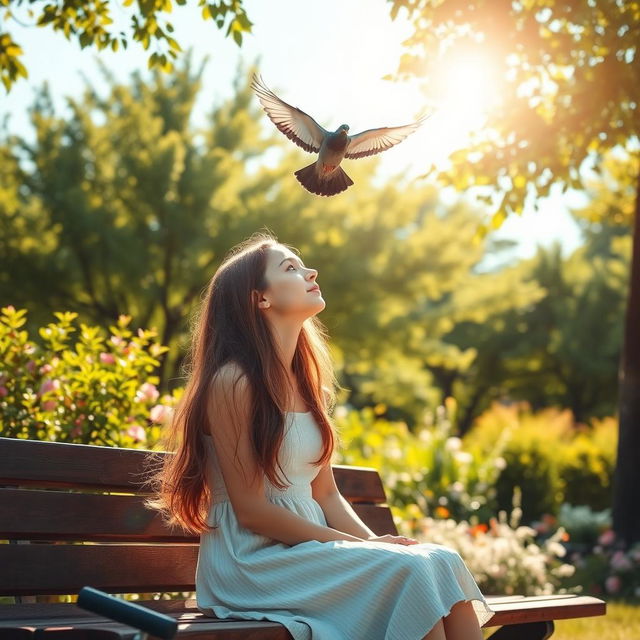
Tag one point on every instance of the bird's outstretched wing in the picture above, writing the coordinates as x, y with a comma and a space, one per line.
293, 122
372, 141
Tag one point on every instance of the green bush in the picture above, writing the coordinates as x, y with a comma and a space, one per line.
429, 471
552, 460
534, 470
97, 390
587, 465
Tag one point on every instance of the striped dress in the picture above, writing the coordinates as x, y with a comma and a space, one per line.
337, 590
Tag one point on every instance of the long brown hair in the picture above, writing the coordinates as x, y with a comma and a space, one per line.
228, 326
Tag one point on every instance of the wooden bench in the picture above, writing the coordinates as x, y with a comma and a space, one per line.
54, 497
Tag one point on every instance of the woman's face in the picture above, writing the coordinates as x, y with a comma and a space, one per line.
292, 287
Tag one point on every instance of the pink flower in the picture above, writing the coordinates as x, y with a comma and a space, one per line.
30, 366
3, 392
107, 358
147, 393
607, 537
49, 385
49, 405
46, 368
612, 584
620, 561
137, 433
160, 413
117, 340
77, 430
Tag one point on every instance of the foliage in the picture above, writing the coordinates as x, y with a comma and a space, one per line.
583, 524
550, 459
569, 87
97, 391
610, 568
427, 472
89, 22
604, 564
544, 351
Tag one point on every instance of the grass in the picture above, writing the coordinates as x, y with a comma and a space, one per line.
622, 622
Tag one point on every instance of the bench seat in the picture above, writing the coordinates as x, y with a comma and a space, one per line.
72, 516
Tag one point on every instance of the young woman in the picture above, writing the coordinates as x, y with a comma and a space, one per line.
289, 549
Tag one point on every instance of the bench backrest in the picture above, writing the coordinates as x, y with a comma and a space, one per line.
72, 515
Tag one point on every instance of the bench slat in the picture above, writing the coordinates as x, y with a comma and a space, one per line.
34, 463
115, 568
57, 464
30, 514
522, 610
549, 608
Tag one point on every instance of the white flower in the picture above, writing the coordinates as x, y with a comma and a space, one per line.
500, 463
453, 444
463, 457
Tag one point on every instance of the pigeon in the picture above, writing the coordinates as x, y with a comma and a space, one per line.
325, 176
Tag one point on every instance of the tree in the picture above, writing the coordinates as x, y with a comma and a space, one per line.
571, 93
89, 22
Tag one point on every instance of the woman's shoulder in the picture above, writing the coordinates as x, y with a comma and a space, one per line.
230, 372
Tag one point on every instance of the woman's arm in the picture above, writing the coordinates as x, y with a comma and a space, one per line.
273, 521
337, 510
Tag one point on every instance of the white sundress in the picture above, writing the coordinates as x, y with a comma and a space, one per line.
337, 590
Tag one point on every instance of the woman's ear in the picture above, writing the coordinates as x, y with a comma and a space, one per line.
260, 300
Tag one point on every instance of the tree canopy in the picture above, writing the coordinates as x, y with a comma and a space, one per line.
91, 23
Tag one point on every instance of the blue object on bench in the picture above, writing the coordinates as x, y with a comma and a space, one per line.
143, 618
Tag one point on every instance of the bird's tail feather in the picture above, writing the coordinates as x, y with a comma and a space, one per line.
328, 185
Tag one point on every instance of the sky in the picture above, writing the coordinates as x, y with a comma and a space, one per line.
327, 58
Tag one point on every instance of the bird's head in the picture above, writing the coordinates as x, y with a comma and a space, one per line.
343, 129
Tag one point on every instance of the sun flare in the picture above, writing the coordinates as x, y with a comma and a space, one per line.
464, 90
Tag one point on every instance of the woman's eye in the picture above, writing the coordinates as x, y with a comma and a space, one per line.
291, 267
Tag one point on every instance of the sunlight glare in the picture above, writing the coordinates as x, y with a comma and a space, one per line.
464, 90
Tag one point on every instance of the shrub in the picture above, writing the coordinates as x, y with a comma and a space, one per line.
551, 459
429, 468
587, 464
99, 390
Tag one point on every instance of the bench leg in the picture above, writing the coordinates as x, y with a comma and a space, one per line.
525, 631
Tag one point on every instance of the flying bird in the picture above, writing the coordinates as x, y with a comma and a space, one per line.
325, 176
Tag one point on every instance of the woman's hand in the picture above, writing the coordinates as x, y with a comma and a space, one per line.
393, 539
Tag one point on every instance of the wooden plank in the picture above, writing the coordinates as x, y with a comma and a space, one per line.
57, 464
35, 463
31, 514
222, 630
193, 624
377, 517
539, 610
359, 484
26, 633
115, 568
